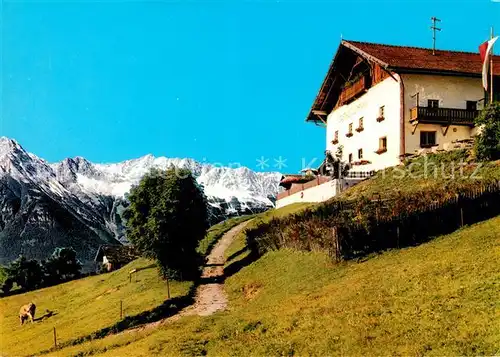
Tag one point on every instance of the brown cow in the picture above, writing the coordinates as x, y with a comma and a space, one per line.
27, 312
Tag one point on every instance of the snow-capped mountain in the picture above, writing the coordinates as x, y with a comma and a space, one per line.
78, 203
252, 189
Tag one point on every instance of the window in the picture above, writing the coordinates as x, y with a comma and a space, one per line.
381, 113
349, 133
335, 137
350, 158
360, 125
382, 145
360, 154
471, 105
433, 103
427, 139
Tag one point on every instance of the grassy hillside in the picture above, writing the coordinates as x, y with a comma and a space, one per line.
401, 206
81, 307
217, 231
439, 298
449, 170
238, 251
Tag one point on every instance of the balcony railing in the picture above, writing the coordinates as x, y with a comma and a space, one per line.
444, 116
354, 90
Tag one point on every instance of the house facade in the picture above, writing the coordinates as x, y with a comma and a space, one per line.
305, 188
381, 103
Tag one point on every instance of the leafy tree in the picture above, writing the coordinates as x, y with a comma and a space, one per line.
25, 273
487, 143
61, 266
166, 219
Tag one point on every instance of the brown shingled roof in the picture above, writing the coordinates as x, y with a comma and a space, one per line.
289, 179
394, 59
120, 254
422, 59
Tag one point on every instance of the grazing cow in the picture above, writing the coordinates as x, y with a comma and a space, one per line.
27, 312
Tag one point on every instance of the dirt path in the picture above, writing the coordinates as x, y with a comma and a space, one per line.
210, 296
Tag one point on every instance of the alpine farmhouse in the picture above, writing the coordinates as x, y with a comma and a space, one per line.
381, 103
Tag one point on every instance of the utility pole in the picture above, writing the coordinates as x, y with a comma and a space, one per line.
434, 28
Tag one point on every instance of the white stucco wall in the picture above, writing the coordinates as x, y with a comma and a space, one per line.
318, 193
452, 92
385, 93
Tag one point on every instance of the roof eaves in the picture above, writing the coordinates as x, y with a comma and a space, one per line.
99, 251
432, 71
328, 73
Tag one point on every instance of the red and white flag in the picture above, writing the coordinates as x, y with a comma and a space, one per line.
485, 51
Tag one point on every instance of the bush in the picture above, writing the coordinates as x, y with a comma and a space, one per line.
346, 229
487, 143
7, 285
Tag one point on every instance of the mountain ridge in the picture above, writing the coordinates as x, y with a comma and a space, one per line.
78, 203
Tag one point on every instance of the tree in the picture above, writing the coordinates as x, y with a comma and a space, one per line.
487, 142
25, 273
61, 266
166, 219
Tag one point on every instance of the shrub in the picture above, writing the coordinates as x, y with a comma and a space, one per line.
7, 285
351, 228
487, 143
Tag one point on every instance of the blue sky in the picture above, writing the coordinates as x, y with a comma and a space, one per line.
217, 81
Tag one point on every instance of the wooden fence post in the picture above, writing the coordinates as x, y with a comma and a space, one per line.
55, 338
397, 233
336, 245
461, 217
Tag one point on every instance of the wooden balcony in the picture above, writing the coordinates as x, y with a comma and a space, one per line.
443, 116
354, 90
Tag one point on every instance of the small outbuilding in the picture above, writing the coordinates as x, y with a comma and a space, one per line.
113, 257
